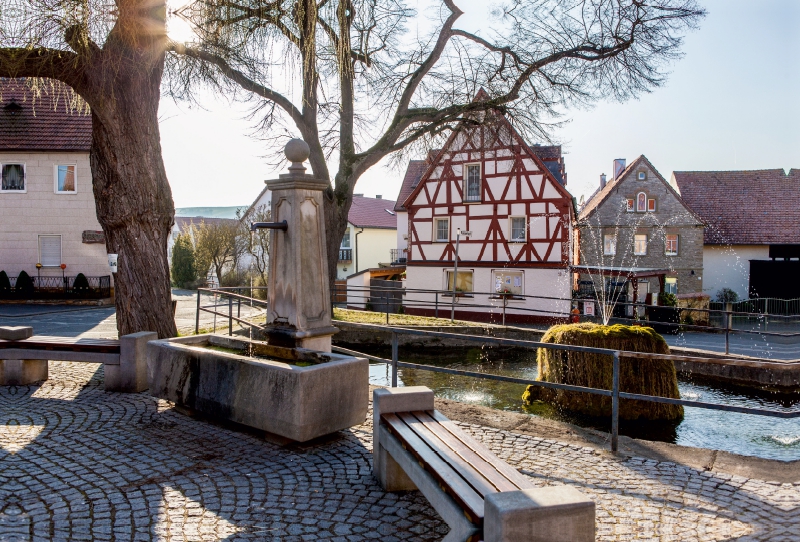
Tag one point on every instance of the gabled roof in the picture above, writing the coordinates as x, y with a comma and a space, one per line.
744, 207
432, 162
372, 213
596, 199
41, 123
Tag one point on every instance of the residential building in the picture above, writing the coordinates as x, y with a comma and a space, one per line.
637, 228
47, 206
486, 180
370, 236
751, 242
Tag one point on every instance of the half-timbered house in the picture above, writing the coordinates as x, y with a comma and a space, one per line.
486, 180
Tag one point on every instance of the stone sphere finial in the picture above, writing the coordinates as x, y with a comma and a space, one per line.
297, 151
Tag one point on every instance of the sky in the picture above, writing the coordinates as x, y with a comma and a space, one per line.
731, 103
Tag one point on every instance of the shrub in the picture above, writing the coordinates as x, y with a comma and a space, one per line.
5, 285
648, 377
81, 285
24, 287
667, 300
184, 267
726, 295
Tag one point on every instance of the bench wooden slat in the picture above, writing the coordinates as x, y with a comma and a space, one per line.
68, 344
468, 472
477, 455
510, 473
459, 490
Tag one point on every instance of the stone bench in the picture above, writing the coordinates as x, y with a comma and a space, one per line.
24, 357
479, 496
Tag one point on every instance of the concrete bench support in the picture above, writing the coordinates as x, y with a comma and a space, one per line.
22, 372
130, 376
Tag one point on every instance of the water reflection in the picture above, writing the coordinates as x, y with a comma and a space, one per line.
745, 434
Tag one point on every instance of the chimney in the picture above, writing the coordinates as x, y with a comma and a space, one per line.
619, 167
358, 195
378, 196
602, 181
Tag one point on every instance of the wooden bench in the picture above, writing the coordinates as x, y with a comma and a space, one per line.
24, 357
479, 495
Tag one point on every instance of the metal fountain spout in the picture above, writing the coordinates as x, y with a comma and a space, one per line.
282, 225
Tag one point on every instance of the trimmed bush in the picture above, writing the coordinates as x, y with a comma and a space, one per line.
24, 286
648, 377
184, 267
81, 285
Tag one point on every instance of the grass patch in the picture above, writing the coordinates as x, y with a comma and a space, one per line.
369, 317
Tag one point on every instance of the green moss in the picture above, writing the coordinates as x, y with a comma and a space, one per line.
649, 376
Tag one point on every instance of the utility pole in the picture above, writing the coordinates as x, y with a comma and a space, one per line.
455, 272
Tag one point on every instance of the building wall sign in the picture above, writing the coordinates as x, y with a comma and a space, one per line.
90, 237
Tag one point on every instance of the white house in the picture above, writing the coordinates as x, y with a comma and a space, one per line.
47, 207
370, 237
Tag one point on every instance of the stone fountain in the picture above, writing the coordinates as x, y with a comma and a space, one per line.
290, 385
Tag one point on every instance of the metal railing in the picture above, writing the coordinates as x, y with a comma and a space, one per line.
498, 307
614, 392
345, 254
62, 287
233, 298
767, 305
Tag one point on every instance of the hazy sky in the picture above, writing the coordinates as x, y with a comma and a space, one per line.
732, 102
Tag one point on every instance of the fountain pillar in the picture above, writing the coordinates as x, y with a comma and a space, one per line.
298, 296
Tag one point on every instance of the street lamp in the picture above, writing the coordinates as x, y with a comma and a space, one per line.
459, 233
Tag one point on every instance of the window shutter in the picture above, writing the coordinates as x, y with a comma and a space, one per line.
50, 250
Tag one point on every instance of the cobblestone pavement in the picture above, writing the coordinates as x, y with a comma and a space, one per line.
78, 463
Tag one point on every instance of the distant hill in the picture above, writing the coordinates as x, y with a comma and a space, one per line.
210, 212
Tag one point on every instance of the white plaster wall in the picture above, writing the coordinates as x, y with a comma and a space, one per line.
25, 216
729, 267
544, 283
373, 248
402, 230
358, 291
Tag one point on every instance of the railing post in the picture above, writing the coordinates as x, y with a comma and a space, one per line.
437, 304
239, 308
197, 316
394, 359
728, 324
386, 303
230, 315
615, 404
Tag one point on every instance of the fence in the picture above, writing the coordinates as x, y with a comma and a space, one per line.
58, 288
767, 305
614, 392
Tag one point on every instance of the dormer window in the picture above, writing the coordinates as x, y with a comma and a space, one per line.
13, 178
472, 182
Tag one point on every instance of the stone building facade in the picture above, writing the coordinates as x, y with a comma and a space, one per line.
638, 221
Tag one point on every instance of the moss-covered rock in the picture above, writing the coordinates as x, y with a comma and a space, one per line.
648, 377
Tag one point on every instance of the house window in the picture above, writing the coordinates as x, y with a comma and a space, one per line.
642, 175
508, 282
651, 206
66, 182
13, 178
346, 239
50, 250
472, 177
441, 230
641, 202
671, 285
517, 229
463, 281
671, 248
629, 203
640, 245
609, 245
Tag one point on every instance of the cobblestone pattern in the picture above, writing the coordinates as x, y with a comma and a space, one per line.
77, 463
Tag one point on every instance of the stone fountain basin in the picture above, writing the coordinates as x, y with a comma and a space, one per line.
295, 393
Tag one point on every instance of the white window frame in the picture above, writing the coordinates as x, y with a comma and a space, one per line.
436, 221
466, 198
55, 179
636, 203
60, 249
655, 205
449, 272
632, 207
667, 252
671, 285
641, 175
635, 243
613, 239
511, 238
498, 287
349, 239
24, 176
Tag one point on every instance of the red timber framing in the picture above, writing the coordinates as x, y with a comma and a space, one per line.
514, 182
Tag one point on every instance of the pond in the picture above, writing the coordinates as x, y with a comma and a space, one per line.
745, 434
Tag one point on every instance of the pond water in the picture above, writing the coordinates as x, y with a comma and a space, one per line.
746, 434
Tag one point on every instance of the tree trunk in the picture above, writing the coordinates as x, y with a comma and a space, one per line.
335, 223
132, 195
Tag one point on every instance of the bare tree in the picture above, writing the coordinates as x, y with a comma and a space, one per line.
218, 245
258, 247
112, 55
349, 79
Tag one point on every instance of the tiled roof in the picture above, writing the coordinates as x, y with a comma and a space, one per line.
45, 123
372, 213
744, 207
414, 173
551, 156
